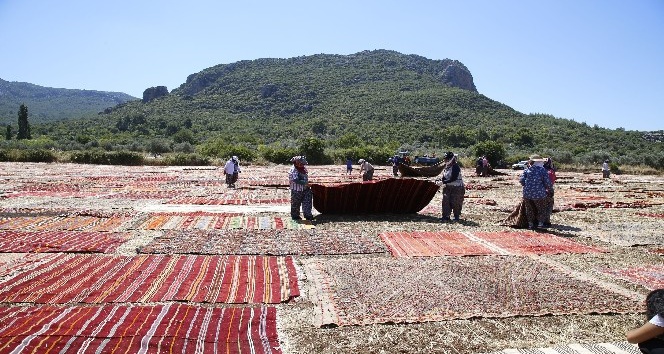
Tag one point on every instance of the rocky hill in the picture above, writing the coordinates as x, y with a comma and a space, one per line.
47, 104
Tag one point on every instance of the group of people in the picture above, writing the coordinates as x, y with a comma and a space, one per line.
482, 166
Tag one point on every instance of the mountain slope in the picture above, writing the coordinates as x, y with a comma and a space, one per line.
48, 104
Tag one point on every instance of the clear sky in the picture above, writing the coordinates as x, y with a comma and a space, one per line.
594, 61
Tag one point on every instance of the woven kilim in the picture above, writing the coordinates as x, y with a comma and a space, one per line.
265, 242
61, 241
428, 244
210, 221
381, 290
592, 348
61, 222
170, 328
150, 278
528, 242
211, 201
394, 195
651, 277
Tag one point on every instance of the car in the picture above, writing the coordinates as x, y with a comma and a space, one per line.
520, 165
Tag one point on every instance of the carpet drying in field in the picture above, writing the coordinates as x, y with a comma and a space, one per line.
62, 222
170, 328
394, 195
217, 221
104, 279
651, 277
264, 242
592, 348
427, 244
61, 241
379, 290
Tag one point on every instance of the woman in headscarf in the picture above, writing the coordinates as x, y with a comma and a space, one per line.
535, 181
366, 169
453, 188
301, 196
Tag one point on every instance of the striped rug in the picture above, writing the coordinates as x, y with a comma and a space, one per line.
62, 222
151, 278
61, 241
170, 328
212, 221
428, 244
592, 348
393, 195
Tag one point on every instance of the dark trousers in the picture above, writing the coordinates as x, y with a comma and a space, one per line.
652, 346
302, 199
453, 200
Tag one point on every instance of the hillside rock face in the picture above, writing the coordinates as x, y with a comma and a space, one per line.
154, 92
353, 69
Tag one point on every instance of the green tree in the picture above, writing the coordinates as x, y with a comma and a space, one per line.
23, 125
493, 151
8, 133
313, 149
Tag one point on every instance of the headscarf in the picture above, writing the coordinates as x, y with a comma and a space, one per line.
303, 160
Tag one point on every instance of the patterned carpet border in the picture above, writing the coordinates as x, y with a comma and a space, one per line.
61, 241
170, 328
380, 290
98, 279
592, 348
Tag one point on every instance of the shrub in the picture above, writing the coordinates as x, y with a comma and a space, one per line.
180, 159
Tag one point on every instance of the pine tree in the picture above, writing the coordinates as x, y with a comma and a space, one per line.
23, 125
8, 133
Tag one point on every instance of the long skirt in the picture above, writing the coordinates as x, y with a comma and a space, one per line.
453, 200
231, 178
549, 209
536, 210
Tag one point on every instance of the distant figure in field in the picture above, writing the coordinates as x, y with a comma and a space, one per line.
650, 336
395, 165
366, 170
232, 171
349, 166
606, 170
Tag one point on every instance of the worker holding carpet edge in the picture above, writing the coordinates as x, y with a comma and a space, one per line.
301, 196
453, 188
650, 336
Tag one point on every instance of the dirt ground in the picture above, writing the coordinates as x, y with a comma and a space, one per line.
623, 215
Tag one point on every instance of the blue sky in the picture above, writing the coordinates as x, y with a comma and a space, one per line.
594, 61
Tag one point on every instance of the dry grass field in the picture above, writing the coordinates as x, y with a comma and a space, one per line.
81, 237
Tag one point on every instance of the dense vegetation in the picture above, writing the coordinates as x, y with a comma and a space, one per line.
366, 105
50, 104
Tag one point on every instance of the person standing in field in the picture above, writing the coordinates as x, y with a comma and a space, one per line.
535, 181
453, 188
551, 171
232, 171
349, 166
606, 170
366, 170
301, 195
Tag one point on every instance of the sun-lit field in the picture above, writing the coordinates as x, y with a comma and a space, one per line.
169, 259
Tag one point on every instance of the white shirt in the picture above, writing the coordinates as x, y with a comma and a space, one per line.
657, 321
229, 168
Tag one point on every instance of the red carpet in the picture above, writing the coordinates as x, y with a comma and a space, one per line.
103, 279
651, 277
61, 241
429, 244
394, 195
171, 328
528, 242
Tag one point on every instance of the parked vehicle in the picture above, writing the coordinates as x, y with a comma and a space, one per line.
426, 160
520, 165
